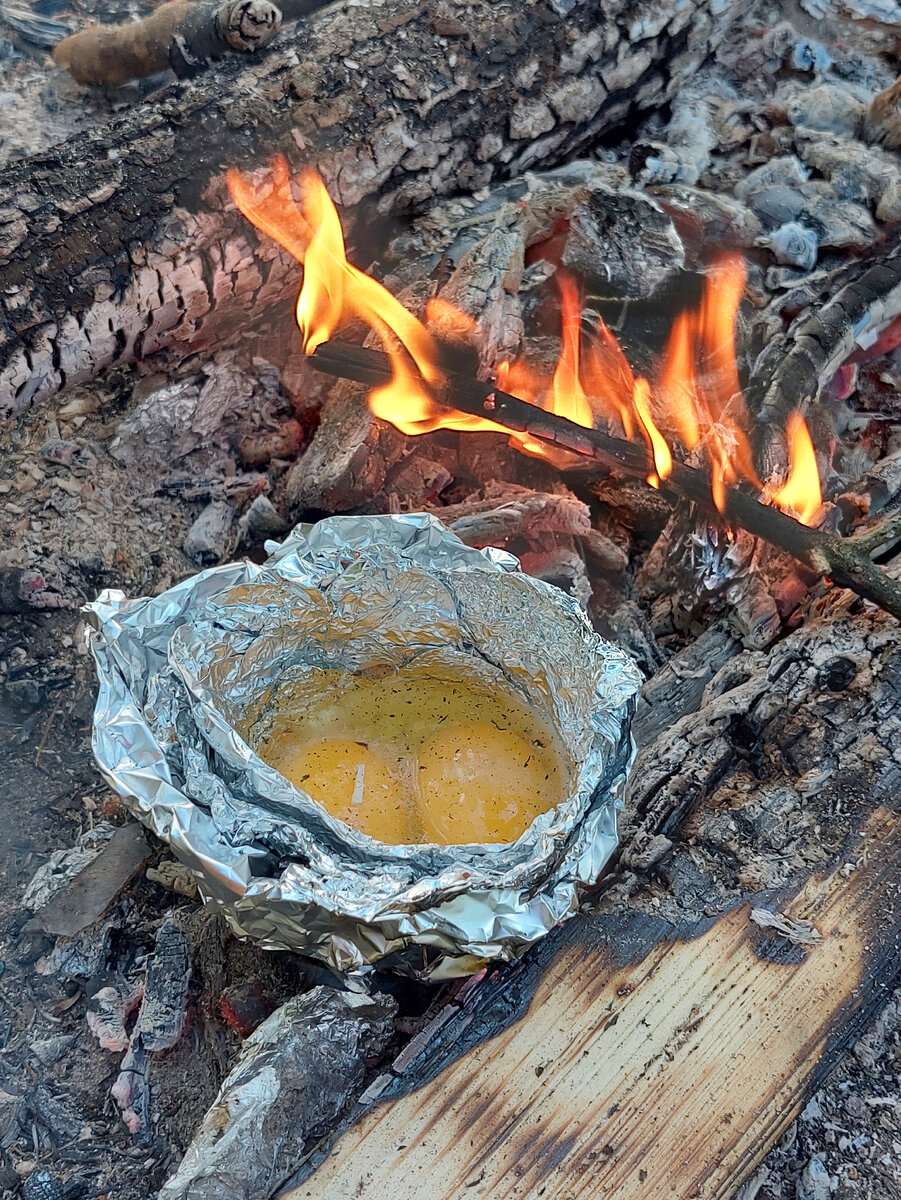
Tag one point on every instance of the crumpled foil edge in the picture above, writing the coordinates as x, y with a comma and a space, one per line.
175, 669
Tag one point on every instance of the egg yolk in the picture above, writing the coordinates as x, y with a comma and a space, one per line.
478, 783
353, 782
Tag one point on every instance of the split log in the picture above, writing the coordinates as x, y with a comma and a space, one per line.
122, 241
659, 1044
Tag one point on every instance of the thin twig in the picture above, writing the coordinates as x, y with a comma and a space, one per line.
844, 561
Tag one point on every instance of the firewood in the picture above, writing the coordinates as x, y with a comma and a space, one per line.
161, 1017
180, 34
512, 511
121, 240
795, 368
845, 561
695, 1030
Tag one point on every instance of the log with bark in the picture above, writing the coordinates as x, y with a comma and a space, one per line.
122, 241
661, 1042
179, 34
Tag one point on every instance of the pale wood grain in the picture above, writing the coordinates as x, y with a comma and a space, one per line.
668, 1076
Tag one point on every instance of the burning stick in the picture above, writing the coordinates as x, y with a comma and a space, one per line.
181, 34
845, 561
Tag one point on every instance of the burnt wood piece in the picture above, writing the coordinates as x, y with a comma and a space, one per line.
793, 369
520, 514
659, 1044
87, 897
180, 34
123, 240
678, 687
163, 1010
845, 561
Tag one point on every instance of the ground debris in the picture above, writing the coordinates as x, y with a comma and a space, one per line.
174, 875
260, 522
106, 1015
212, 537
25, 589
814, 1182
797, 931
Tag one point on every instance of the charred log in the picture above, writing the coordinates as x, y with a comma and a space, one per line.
122, 240
793, 369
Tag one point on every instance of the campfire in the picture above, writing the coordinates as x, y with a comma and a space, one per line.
695, 400
597, 312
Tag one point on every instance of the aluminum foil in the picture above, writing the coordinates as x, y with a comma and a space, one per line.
179, 672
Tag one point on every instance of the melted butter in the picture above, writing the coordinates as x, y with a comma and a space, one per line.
413, 757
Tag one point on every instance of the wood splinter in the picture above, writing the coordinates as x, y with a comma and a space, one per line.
180, 35
847, 562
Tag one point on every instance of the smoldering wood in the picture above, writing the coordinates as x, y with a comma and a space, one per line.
353, 456
557, 559
509, 511
107, 257
163, 1010
793, 369
26, 589
180, 34
665, 1001
845, 561
605, 552
696, 567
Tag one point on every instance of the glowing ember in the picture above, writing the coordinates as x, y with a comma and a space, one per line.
695, 399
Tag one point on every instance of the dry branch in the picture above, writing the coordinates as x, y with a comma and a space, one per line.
181, 34
845, 561
122, 241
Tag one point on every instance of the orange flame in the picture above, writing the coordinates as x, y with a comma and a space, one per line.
663, 459
609, 380
678, 386
696, 399
801, 493
567, 396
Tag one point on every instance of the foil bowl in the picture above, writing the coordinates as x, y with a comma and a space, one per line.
178, 673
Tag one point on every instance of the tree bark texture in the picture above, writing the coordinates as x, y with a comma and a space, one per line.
123, 240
